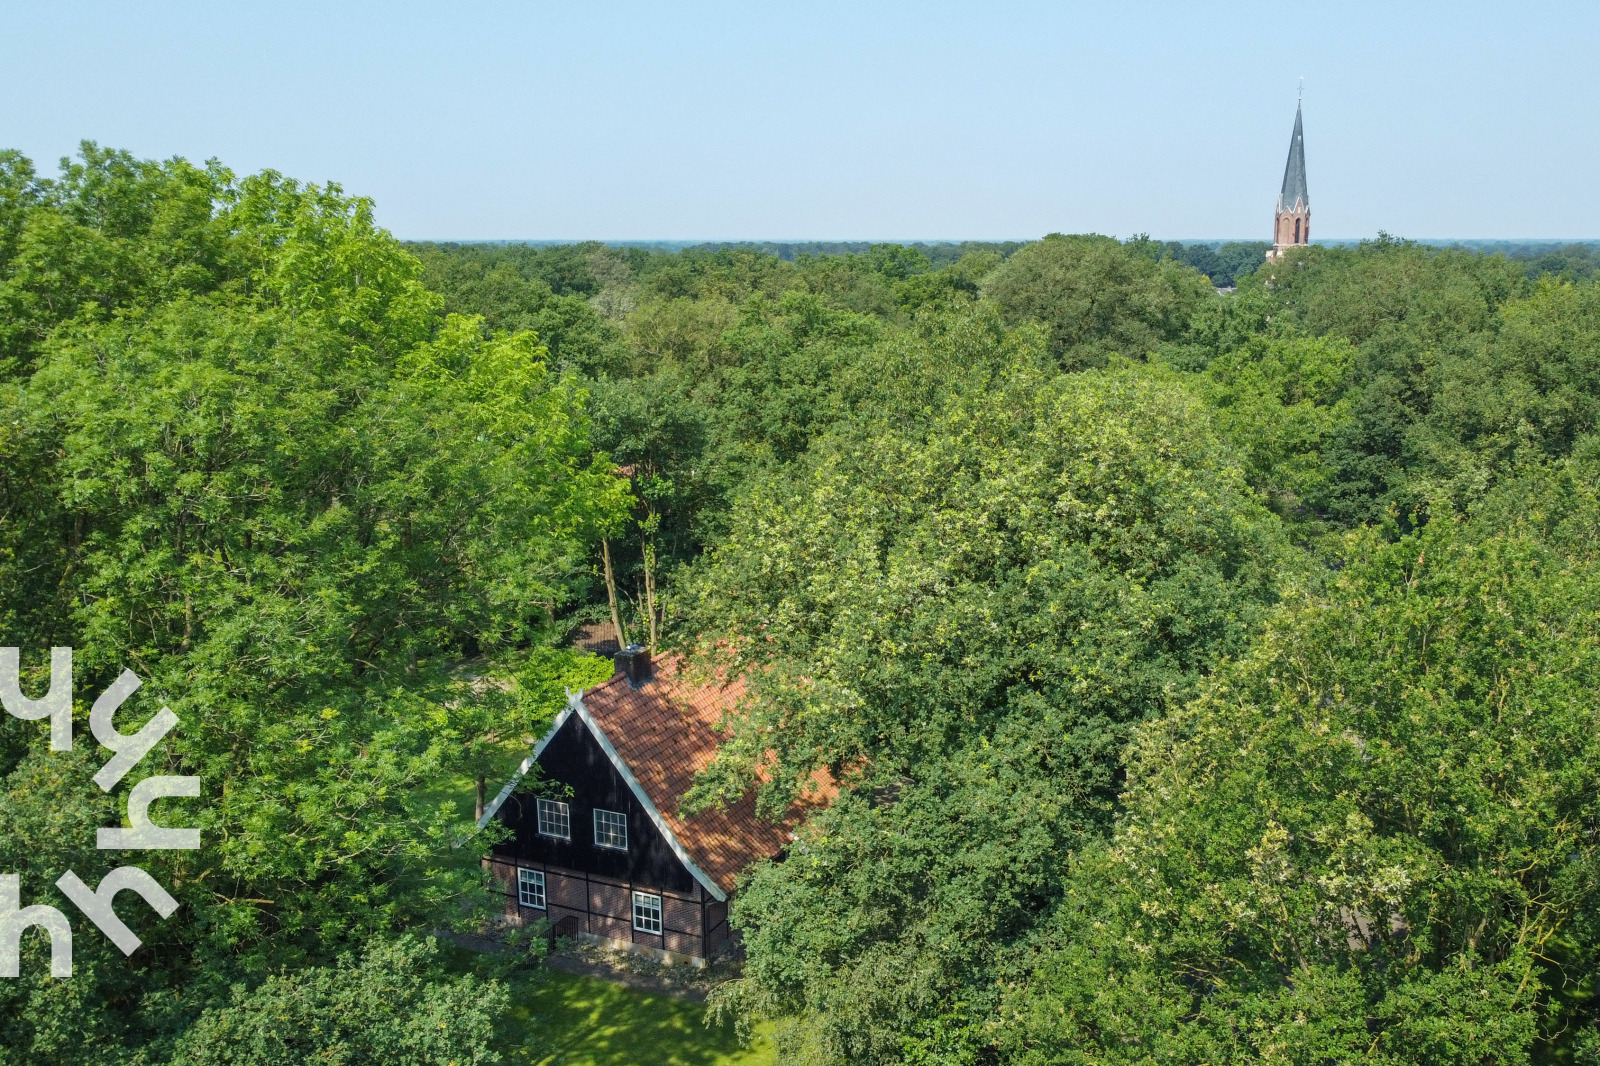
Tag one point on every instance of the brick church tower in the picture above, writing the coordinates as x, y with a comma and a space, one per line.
1291, 225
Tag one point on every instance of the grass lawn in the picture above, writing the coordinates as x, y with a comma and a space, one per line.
562, 1019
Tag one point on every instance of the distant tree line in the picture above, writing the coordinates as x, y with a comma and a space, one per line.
1574, 262
938, 253
1221, 262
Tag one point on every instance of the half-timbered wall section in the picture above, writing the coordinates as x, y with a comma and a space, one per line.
599, 846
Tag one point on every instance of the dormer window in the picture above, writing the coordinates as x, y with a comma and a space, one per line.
610, 830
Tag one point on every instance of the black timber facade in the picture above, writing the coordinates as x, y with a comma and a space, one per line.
588, 888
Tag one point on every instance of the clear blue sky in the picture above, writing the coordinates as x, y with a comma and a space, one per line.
849, 120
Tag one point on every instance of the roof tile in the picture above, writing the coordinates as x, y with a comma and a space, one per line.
666, 731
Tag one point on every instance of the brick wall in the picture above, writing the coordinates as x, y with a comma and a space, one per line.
567, 891
609, 899
610, 928
681, 914
604, 908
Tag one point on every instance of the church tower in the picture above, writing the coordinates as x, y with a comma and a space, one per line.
1291, 224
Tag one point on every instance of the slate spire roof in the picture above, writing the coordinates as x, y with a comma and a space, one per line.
1294, 172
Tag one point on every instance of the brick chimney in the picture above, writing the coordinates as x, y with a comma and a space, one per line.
633, 662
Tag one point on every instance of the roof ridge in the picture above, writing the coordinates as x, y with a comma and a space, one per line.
659, 737
642, 795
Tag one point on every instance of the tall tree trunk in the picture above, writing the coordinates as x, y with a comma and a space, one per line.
611, 594
479, 816
650, 590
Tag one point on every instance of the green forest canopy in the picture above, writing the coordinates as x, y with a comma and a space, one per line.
1207, 672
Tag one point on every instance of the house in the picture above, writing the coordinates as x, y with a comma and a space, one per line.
599, 847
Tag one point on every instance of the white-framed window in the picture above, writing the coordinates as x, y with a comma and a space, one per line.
530, 888
610, 829
555, 819
647, 912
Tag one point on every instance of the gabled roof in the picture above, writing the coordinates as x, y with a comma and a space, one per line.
1294, 172
659, 736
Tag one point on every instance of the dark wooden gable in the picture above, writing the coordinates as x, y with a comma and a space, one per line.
575, 769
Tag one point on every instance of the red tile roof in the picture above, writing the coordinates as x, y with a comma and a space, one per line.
666, 731
597, 638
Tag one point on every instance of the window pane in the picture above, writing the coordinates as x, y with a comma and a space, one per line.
530, 888
647, 912
610, 829
555, 819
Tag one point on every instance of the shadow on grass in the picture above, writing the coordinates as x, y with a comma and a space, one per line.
561, 1019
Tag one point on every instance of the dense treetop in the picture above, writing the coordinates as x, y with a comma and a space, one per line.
247, 458
1369, 839
1203, 644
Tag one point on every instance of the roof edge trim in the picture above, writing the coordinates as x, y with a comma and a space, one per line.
527, 764
576, 704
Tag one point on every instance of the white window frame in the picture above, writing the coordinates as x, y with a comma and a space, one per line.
613, 830
527, 881
559, 814
647, 912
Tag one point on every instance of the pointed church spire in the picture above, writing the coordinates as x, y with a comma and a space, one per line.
1294, 172
1291, 223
